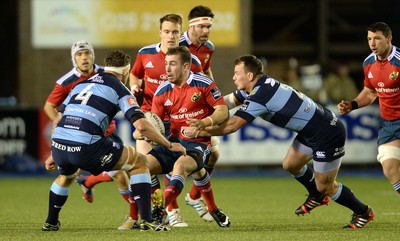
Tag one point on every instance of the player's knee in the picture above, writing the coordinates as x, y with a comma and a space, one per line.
181, 169
65, 180
289, 168
71, 176
388, 152
214, 144
131, 160
212, 160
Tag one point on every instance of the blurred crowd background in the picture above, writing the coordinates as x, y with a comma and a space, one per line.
317, 46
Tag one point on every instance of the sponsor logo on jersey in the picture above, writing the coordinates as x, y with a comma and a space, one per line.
320, 154
270, 81
216, 93
98, 79
182, 110
381, 88
244, 106
394, 75
106, 159
387, 90
132, 101
65, 147
370, 75
168, 103
149, 65
181, 116
254, 91
73, 120
196, 96
155, 81
116, 145
334, 120
199, 148
163, 76
338, 151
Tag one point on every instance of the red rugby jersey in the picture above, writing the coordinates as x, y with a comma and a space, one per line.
150, 66
383, 77
204, 52
195, 99
65, 84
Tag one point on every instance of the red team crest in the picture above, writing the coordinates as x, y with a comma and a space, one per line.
132, 101
196, 96
207, 58
394, 75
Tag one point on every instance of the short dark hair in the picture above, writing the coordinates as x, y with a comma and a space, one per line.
380, 26
251, 64
174, 18
183, 52
117, 58
200, 11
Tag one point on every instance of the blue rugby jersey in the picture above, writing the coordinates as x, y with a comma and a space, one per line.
281, 105
90, 107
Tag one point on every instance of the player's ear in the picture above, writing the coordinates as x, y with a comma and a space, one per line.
186, 66
250, 76
389, 39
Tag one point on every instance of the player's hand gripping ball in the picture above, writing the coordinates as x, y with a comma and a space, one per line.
157, 123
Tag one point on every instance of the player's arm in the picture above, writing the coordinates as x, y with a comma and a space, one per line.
220, 114
135, 84
209, 73
231, 101
226, 127
51, 110
151, 133
56, 120
55, 98
366, 97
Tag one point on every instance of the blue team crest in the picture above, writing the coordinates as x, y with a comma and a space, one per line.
270, 81
254, 91
394, 75
131, 101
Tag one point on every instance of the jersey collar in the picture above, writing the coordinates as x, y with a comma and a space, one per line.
392, 53
186, 36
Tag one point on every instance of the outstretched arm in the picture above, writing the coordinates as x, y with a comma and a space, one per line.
134, 84
231, 101
365, 97
226, 127
219, 115
150, 132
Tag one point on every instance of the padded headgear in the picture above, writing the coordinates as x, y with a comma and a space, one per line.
78, 46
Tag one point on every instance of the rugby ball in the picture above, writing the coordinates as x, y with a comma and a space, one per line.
157, 123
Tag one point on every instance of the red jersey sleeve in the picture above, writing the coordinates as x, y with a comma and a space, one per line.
214, 96
58, 94
196, 68
138, 68
207, 65
157, 107
367, 83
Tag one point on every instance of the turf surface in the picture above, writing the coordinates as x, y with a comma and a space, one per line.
260, 208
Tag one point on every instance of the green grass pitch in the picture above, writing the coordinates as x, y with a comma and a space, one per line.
260, 208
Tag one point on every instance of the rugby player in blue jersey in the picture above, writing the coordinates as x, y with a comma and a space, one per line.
78, 139
320, 136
